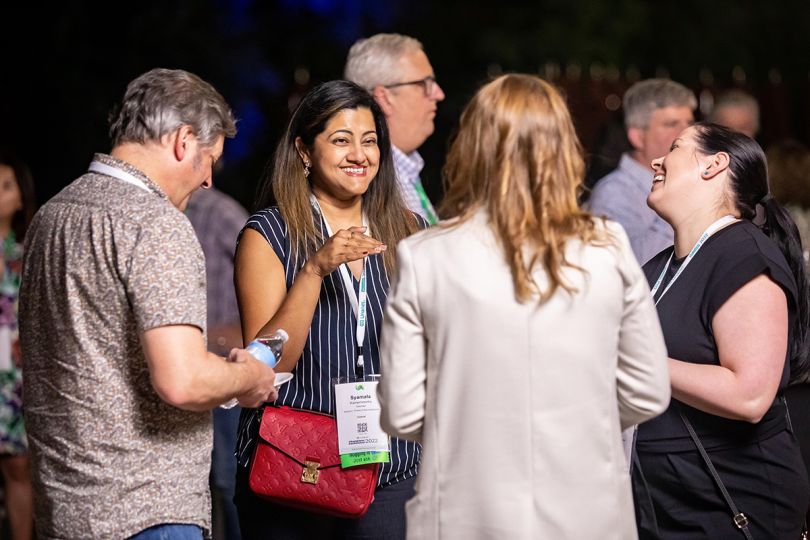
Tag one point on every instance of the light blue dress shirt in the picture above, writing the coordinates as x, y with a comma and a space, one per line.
622, 196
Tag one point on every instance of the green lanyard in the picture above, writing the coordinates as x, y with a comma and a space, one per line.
8, 245
423, 198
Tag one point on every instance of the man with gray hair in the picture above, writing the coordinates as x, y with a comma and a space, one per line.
118, 383
737, 110
396, 71
655, 113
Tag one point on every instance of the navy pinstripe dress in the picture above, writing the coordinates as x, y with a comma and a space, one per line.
331, 347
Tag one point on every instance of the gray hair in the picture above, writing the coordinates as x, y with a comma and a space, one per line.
736, 98
374, 61
161, 100
646, 96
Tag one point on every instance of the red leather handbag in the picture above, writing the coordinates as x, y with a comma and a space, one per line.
297, 464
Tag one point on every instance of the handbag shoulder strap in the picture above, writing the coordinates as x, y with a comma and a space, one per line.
740, 520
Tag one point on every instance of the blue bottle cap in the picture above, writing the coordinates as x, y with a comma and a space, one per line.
262, 352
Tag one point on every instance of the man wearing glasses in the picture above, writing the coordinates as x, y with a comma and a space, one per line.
397, 72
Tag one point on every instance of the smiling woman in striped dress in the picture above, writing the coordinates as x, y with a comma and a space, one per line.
331, 200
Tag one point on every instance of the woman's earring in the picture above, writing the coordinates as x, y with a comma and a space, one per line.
306, 169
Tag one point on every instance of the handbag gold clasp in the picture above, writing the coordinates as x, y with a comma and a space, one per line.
310, 473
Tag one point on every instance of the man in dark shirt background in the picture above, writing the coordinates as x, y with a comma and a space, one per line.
217, 220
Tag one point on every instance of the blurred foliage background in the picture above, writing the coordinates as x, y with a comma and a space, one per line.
64, 65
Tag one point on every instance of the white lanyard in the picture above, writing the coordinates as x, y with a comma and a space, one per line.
713, 228
358, 303
115, 172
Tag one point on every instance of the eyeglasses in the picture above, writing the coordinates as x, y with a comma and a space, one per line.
428, 84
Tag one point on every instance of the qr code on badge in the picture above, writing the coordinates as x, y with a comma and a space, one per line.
362, 427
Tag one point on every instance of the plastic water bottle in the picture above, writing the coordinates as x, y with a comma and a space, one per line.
266, 349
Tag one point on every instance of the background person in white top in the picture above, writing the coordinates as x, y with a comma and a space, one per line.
397, 72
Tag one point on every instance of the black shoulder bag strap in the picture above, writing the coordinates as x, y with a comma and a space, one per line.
804, 535
740, 520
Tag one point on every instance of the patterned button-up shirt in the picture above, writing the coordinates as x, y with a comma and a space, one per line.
408, 167
105, 261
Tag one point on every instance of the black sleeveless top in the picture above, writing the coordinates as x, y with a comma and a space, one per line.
729, 259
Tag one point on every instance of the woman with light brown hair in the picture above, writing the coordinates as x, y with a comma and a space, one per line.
519, 337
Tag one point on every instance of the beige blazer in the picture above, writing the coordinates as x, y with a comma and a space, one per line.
519, 407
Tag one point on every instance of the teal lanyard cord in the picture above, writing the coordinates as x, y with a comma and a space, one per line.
423, 199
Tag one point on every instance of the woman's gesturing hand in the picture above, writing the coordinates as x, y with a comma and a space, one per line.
344, 246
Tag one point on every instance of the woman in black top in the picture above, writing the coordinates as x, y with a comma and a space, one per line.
732, 298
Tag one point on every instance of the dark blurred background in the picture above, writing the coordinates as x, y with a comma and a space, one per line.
65, 64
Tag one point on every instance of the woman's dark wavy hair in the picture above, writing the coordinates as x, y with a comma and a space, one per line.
749, 185
22, 175
284, 184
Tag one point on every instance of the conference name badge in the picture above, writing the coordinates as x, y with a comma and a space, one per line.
361, 439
